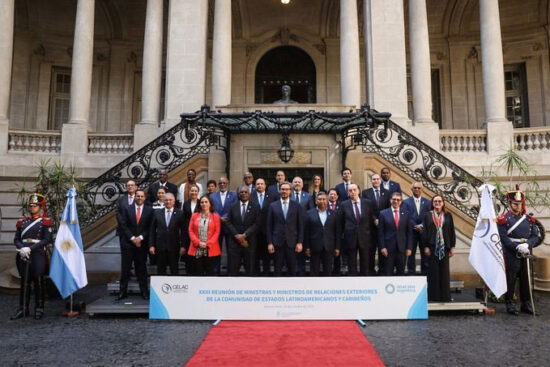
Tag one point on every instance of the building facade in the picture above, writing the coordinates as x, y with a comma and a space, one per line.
88, 82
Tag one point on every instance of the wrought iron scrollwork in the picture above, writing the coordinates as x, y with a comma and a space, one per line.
168, 151
420, 161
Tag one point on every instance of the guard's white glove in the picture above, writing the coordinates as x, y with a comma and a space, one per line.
523, 249
25, 253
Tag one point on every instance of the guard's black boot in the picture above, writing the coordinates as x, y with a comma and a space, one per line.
123, 293
527, 307
39, 290
24, 295
511, 308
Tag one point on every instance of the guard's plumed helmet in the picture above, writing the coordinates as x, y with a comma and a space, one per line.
38, 199
516, 196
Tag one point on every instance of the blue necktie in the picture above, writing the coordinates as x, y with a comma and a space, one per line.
285, 209
261, 201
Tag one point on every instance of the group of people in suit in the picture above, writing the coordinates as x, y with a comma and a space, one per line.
282, 226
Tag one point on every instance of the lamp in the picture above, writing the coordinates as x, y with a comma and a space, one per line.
285, 2
285, 151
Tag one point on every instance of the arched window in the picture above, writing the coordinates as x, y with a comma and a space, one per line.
286, 65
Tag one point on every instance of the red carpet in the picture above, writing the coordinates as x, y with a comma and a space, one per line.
285, 343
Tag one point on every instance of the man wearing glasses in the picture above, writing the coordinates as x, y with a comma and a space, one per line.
394, 236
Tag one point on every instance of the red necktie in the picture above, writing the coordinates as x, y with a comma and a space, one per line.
138, 214
396, 217
332, 206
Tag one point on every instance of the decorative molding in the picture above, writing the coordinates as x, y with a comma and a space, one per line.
284, 36
300, 157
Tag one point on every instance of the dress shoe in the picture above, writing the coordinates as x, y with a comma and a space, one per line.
38, 313
526, 307
19, 314
122, 295
511, 309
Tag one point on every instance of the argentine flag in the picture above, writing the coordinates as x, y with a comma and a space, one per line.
68, 268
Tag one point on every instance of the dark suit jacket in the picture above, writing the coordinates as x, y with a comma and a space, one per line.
273, 190
129, 228
165, 238
357, 233
428, 236
121, 203
318, 237
230, 198
187, 213
384, 199
394, 187
268, 199
250, 226
410, 206
305, 199
342, 193
394, 239
152, 191
280, 230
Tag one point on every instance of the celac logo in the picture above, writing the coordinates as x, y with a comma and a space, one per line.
166, 288
390, 288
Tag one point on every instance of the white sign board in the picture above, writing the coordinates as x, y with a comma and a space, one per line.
338, 298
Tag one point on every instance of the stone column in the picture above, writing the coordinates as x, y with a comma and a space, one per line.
6, 52
350, 80
75, 132
421, 74
499, 129
186, 58
147, 129
389, 68
221, 54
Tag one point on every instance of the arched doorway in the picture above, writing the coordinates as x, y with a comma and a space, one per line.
285, 65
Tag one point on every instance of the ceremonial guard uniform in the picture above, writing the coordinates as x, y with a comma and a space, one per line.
32, 236
518, 236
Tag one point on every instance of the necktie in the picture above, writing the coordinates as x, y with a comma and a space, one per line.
285, 209
168, 217
261, 201
298, 197
138, 214
396, 217
357, 212
417, 202
346, 184
377, 196
130, 200
222, 197
333, 206
243, 211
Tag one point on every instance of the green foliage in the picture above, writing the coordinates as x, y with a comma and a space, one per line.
54, 180
516, 167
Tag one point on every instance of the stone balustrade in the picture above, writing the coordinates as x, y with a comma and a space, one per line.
466, 141
532, 138
110, 143
34, 141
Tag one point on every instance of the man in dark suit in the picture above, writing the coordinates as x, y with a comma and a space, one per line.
381, 199
417, 207
248, 180
162, 182
166, 234
334, 205
388, 184
134, 227
305, 200
285, 231
243, 224
262, 200
321, 239
395, 236
273, 190
222, 200
356, 219
342, 188
123, 201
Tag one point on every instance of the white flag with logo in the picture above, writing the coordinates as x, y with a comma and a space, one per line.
486, 250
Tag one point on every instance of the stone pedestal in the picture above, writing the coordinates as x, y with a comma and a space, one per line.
216, 164
500, 136
74, 142
4, 136
144, 134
